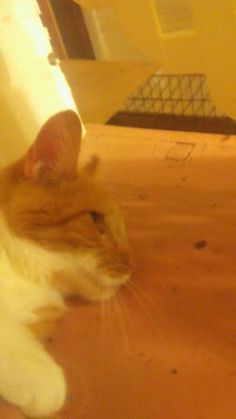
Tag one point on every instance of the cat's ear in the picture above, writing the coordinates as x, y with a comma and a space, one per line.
54, 154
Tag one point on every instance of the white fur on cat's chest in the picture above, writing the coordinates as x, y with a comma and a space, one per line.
24, 275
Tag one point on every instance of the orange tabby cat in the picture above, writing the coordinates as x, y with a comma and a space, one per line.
61, 234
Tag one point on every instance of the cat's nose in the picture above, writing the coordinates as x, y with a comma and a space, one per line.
120, 265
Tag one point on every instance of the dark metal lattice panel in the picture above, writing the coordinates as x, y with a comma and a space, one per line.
170, 94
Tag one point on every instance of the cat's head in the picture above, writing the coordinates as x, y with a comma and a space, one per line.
47, 202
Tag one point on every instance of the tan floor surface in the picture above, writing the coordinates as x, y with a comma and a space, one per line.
164, 348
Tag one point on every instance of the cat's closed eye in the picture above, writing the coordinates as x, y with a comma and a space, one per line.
98, 220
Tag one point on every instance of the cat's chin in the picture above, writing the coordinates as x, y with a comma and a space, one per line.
96, 295
103, 295
102, 289
86, 288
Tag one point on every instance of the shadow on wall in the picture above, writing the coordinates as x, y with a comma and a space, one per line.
13, 106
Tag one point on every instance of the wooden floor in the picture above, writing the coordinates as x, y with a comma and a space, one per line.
164, 348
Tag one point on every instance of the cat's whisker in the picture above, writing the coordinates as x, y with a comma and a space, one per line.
109, 314
119, 319
141, 290
112, 318
122, 325
107, 334
107, 320
125, 310
107, 306
153, 303
102, 324
125, 314
141, 303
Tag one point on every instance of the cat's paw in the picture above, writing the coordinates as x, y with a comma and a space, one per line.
29, 377
47, 394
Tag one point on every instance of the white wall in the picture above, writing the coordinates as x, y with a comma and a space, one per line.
30, 89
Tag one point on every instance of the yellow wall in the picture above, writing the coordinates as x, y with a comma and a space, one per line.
182, 36
30, 89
